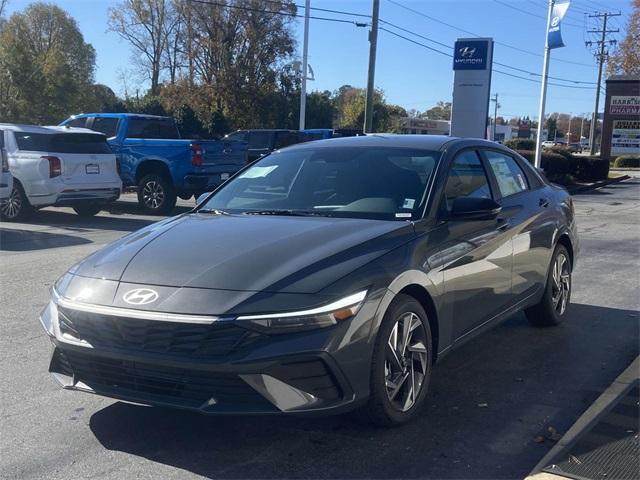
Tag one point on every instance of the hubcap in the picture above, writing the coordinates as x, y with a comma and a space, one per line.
561, 286
11, 206
153, 194
405, 366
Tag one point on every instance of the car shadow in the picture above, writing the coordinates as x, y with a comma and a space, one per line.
490, 407
14, 240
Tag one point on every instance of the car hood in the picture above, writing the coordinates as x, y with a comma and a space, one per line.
245, 252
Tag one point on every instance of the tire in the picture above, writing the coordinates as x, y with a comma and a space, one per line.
391, 402
17, 206
156, 195
557, 294
87, 209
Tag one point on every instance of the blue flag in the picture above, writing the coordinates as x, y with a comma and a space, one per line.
554, 35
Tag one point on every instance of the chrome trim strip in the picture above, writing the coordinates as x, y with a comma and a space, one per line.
130, 313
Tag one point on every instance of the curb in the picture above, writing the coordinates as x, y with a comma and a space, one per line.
593, 186
619, 387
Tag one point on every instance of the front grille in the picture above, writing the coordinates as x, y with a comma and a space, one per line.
186, 339
136, 379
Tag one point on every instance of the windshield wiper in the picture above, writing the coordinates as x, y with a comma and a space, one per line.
287, 213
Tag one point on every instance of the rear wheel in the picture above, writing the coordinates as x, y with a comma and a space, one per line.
156, 195
87, 209
401, 367
557, 295
16, 206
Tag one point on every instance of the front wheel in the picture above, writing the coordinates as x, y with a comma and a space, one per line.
87, 209
16, 206
156, 195
552, 308
401, 366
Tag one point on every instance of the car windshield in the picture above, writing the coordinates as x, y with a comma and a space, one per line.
357, 182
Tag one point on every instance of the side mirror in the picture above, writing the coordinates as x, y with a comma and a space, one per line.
202, 198
469, 208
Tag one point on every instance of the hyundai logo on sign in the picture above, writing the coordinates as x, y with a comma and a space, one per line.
470, 55
140, 296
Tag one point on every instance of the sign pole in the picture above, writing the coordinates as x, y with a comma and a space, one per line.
373, 45
543, 88
305, 54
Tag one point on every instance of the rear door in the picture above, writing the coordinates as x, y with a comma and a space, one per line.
477, 277
527, 215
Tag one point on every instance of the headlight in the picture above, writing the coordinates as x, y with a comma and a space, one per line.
49, 318
324, 316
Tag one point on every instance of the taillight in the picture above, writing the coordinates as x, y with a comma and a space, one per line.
197, 153
5, 160
55, 166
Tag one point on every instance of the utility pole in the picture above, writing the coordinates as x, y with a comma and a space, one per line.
581, 127
495, 115
373, 45
305, 53
569, 132
543, 88
601, 55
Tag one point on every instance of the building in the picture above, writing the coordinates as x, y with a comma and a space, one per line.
621, 125
423, 126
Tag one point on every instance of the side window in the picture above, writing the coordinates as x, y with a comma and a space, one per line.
77, 122
259, 140
510, 177
108, 126
467, 178
284, 139
237, 136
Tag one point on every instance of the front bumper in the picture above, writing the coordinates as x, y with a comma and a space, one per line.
212, 369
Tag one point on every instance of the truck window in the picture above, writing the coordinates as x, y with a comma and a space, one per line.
141, 127
259, 140
77, 122
284, 139
108, 126
62, 142
237, 136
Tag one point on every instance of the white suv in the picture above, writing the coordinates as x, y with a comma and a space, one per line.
58, 166
6, 180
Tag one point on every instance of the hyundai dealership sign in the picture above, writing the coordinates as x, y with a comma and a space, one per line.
470, 55
471, 87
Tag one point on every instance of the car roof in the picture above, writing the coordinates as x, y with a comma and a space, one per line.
50, 130
424, 142
120, 115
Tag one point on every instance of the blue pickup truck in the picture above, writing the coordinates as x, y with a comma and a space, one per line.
152, 157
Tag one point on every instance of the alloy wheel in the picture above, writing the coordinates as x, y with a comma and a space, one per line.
153, 194
12, 206
561, 287
405, 365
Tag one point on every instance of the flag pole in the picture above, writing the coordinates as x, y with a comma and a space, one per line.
543, 88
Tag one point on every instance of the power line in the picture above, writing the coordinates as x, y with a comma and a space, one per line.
507, 45
341, 12
532, 14
495, 70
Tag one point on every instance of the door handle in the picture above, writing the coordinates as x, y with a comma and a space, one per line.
543, 202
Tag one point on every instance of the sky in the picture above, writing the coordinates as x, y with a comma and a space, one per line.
409, 74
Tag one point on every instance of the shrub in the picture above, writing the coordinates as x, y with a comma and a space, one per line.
592, 168
627, 161
520, 144
554, 164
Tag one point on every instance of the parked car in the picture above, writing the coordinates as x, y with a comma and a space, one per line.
152, 157
6, 179
551, 143
58, 166
264, 141
573, 147
376, 256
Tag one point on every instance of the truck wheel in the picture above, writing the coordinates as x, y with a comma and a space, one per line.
15, 207
156, 195
87, 209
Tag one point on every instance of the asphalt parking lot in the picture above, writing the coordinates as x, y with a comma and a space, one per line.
490, 401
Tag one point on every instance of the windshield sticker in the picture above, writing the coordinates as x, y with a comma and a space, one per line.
258, 172
408, 203
403, 215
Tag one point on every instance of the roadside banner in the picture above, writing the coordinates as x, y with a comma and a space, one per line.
554, 34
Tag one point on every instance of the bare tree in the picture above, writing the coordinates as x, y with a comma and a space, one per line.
3, 4
144, 24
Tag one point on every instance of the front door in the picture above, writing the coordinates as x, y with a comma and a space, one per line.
477, 270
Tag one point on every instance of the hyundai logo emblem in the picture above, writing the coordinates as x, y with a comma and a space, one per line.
467, 52
140, 296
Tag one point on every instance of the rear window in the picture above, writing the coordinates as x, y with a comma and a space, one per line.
152, 128
62, 142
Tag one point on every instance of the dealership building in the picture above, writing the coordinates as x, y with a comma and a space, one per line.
621, 125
